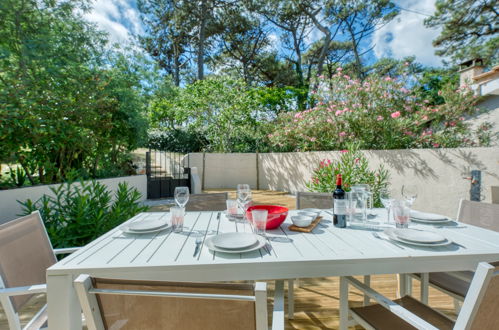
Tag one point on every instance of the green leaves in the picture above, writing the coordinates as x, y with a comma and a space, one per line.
354, 169
78, 212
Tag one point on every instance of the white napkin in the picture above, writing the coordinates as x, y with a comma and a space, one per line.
426, 216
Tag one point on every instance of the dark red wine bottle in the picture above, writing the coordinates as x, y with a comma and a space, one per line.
340, 217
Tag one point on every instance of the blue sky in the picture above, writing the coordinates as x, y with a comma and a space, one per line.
404, 36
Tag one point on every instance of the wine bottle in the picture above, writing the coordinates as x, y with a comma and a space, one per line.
339, 207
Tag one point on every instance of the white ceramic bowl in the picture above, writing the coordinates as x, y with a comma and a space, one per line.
316, 211
308, 214
302, 220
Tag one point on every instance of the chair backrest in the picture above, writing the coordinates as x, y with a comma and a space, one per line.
207, 202
313, 200
130, 304
480, 307
25, 254
485, 215
494, 192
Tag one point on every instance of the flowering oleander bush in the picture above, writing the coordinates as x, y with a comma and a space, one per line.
354, 168
377, 113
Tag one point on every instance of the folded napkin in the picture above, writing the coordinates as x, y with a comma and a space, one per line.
426, 216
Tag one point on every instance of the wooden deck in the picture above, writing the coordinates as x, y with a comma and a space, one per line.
316, 300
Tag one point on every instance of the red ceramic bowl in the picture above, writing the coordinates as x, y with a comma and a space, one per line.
276, 216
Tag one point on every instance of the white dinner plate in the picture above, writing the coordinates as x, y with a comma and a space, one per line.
419, 236
435, 222
126, 229
389, 232
260, 242
146, 225
427, 216
231, 241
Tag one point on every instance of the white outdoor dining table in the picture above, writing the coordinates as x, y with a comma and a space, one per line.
327, 251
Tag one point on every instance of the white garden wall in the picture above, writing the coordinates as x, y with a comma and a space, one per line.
438, 173
10, 208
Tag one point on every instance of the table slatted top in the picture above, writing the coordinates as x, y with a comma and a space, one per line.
326, 251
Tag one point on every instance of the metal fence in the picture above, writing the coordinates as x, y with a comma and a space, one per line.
165, 171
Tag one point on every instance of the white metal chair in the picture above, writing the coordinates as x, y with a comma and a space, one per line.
313, 200
25, 255
456, 284
207, 202
306, 200
479, 310
129, 304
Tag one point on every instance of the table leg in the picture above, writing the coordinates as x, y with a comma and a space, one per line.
403, 278
425, 284
64, 309
291, 300
367, 281
343, 303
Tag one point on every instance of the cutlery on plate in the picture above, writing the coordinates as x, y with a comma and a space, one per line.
376, 235
198, 244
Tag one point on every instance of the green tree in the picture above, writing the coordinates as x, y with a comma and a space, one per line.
469, 29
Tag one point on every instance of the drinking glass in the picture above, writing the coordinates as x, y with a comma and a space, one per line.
243, 197
360, 196
401, 211
177, 219
386, 200
231, 208
259, 221
181, 196
410, 193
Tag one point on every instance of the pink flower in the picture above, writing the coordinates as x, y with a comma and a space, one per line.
425, 117
339, 69
395, 114
329, 120
338, 112
404, 90
380, 118
312, 139
344, 151
406, 64
342, 134
357, 160
388, 79
461, 118
321, 77
435, 145
299, 115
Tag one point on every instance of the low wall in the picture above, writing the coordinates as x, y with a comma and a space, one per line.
10, 208
437, 173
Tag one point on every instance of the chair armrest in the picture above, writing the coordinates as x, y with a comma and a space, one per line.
65, 250
393, 307
278, 312
22, 290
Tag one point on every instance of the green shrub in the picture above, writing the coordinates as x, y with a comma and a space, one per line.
354, 169
76, 214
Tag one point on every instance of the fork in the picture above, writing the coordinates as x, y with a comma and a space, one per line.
376, 235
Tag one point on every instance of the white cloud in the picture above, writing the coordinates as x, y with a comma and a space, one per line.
116, 17
406, 35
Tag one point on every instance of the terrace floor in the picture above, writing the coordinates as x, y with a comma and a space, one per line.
316, 300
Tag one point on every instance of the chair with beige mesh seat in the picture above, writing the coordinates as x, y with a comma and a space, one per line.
479, 309
306, 200
25, 255
207, 202
132, 304
313, 200
456, 284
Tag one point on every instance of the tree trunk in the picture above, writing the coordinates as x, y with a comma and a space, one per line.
202, 37
358, 62
176, 66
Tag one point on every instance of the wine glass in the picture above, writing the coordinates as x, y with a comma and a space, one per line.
243, 197
410, 193
386, 200
181, 196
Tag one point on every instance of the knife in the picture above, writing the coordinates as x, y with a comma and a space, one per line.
198, 243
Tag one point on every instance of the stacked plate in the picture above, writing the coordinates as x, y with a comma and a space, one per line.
429, 218
235, 242
144, 226
417, 237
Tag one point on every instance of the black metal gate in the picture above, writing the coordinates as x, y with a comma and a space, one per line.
165, 171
